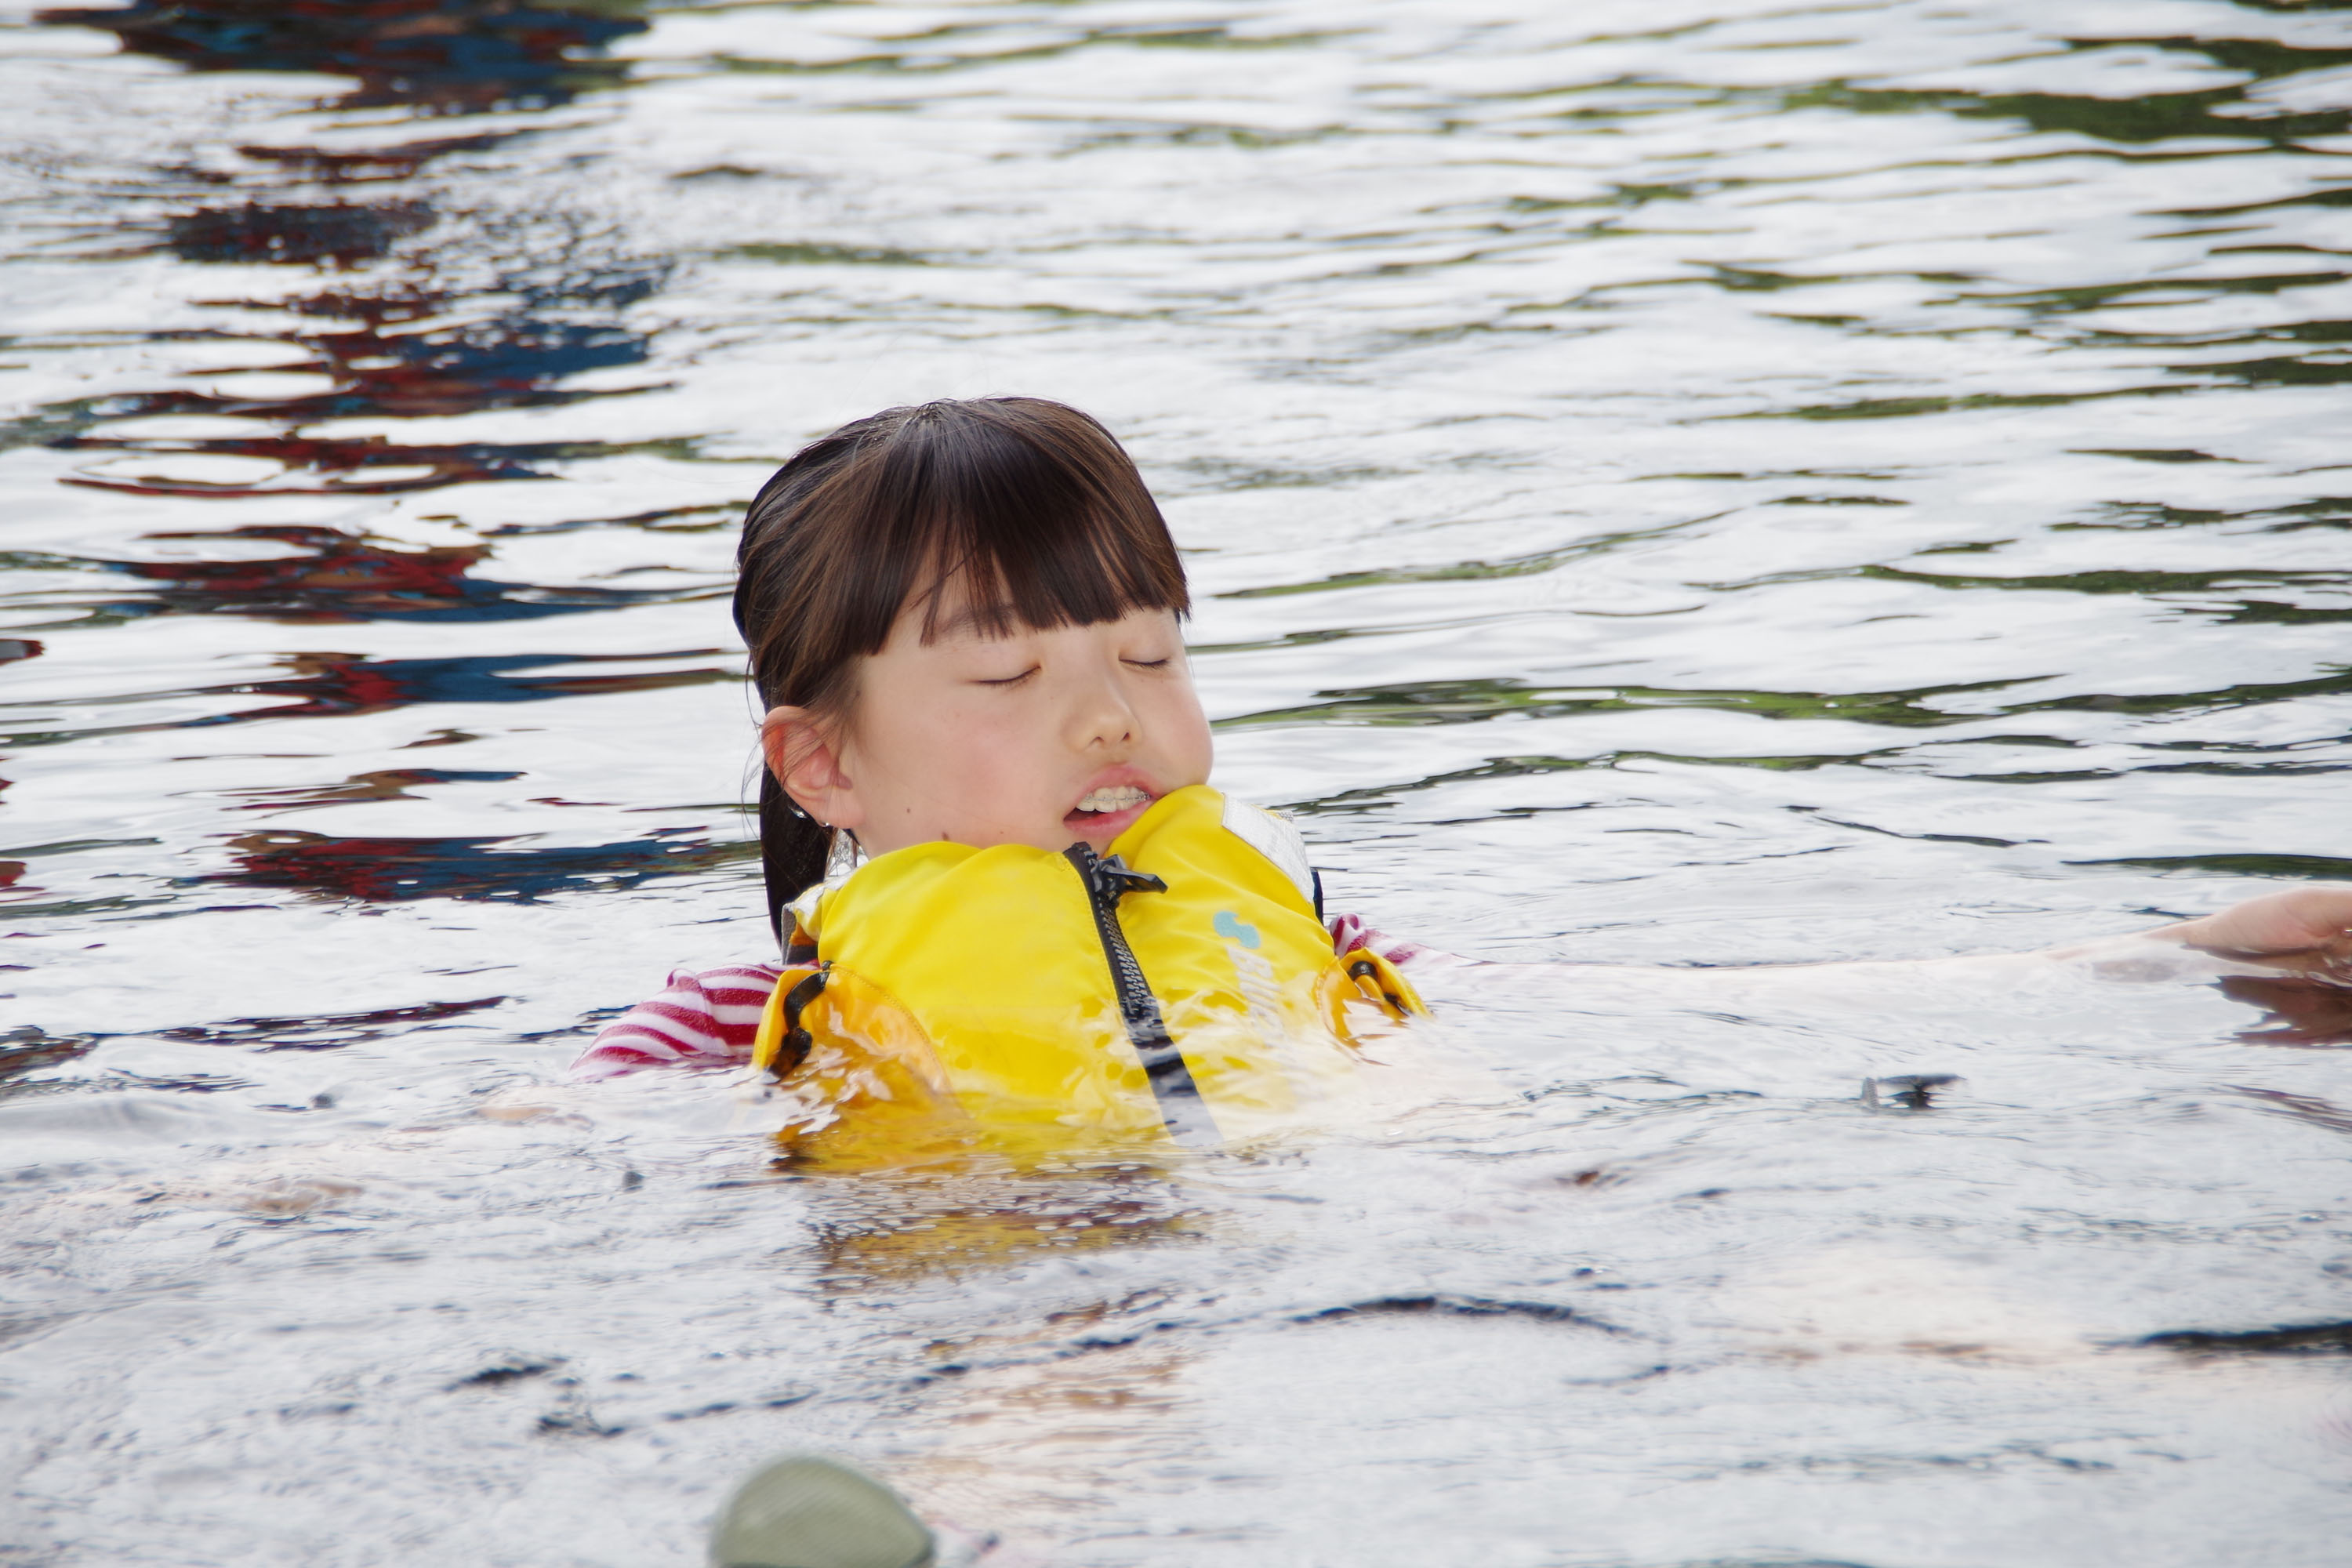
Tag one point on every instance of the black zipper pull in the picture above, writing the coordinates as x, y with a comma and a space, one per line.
1111, 877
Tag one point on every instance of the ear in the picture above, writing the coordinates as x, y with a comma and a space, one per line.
805, 758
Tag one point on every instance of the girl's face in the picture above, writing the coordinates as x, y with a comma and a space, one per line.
1044, 738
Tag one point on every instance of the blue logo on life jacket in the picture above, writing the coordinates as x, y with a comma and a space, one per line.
1233, 928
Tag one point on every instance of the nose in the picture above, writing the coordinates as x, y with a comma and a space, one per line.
1100, 718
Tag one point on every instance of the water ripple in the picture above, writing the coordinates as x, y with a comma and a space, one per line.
1677, 486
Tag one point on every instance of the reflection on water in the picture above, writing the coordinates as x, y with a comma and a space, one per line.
445, 56
2295, 1012
384, 783
332, 1032
338, 232
1660, 486
381, 869
414, 352
411, 345
342, 578
911, 1227
325, 685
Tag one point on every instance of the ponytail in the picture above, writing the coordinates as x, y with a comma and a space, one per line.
794, 849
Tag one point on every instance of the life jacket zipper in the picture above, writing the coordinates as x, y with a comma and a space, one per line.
1108, 878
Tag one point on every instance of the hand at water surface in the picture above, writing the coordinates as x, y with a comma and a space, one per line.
2310, 924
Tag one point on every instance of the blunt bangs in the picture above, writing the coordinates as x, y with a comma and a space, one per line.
1001, 514
994, 514
1022, 522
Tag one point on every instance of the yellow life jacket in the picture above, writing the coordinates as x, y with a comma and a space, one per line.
1181, 987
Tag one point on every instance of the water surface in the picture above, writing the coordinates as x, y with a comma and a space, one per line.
1664, 483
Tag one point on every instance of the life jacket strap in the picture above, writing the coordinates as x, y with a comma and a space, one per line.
794, 1049
1367, 976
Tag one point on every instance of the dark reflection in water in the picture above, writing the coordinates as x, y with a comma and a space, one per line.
416, 345
323, 1032
2318, 197
326, 685
395, 870
511, 360
401, 361
2319, 511
1466, 701
2320, 868
1459, 1307
339, 232
383, 784
1463, 701
2293, 1339
2216, 594
2210, 112
2294, 1012
344, 578
447, 55
365, 464
335, 683
27, 1048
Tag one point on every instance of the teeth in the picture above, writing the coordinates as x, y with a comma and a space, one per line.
1115, 797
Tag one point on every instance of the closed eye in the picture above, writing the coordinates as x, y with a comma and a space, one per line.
1148, 663
1010, 680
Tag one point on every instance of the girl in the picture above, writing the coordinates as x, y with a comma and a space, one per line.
964, 623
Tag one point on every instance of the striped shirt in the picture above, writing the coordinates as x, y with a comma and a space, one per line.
702, 1018
709, 1017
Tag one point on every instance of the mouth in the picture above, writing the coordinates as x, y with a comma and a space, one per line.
1107, 809
1113, 798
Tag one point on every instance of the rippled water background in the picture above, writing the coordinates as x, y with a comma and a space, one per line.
1663, 483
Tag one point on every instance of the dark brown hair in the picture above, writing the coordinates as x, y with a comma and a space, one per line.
1031, 508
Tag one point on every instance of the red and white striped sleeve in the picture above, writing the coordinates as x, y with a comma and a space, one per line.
1349, 932
702, 1018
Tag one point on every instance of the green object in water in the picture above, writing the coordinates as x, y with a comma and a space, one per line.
806, 1512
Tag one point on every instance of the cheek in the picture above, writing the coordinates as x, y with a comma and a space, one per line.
1188, 743
973, 755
